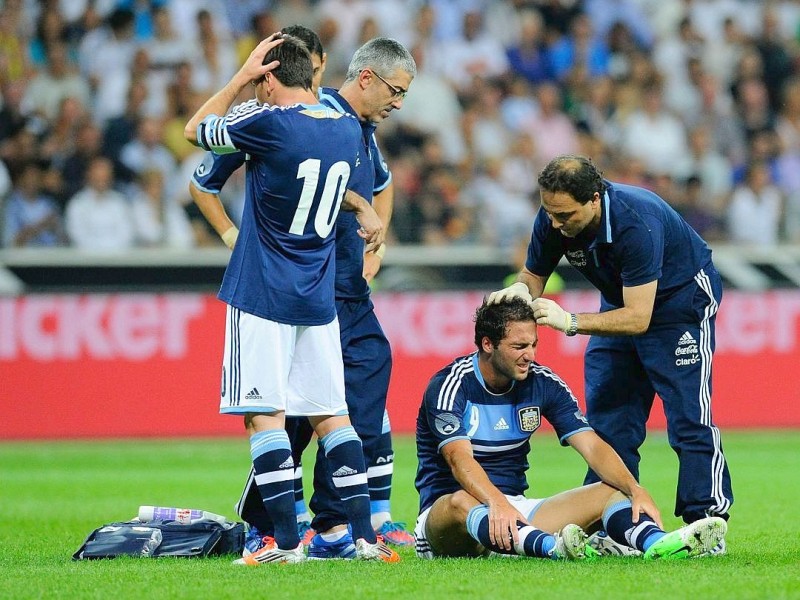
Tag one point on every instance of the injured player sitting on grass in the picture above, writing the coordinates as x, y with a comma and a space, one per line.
473, 439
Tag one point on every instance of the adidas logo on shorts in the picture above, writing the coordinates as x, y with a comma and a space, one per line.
253, 395
686, 338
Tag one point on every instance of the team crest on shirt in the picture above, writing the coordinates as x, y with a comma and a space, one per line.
529, 418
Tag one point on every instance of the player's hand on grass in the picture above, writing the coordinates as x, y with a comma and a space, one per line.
550, 314
515, 290
642, 502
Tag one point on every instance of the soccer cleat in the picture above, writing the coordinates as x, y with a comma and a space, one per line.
571, 544
305, 532
394, 532
270, 553
376, 551
719, 550
255, 541
605, 546
319, 549
694, 539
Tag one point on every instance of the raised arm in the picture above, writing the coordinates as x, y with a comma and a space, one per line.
219, 103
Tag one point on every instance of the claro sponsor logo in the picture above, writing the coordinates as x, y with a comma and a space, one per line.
103, 327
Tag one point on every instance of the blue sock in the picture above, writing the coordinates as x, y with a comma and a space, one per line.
274, 469
532, 541
381, 468
300, 507
618, 523
346, 462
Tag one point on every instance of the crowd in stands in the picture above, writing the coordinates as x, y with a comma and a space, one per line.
698, 100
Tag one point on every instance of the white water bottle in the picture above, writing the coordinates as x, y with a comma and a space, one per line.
185, 516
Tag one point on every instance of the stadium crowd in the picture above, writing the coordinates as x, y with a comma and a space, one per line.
698, 100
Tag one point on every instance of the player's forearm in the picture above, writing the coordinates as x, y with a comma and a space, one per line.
604, 461
213, 210
620, 321
474, 480
218, 104
534, 282
383, 203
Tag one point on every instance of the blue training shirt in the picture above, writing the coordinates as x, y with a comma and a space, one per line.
369, 178
301, 158
457, 406
640, 239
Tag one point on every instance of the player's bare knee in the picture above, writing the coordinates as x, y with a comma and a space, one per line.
461, 503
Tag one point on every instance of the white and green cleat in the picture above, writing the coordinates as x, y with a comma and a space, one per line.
571, 544
690, 541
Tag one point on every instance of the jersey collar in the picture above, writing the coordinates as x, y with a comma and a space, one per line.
479, 376
332, 98
603, 235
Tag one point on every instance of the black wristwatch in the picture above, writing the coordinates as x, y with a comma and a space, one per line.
573, 325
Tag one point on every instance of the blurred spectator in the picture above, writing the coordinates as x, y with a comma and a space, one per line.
48, 89
654, 134
756, 209
485, 131
13, 54
58, 141
432, 108
106, 58
472, 54
529, 57
503, 214
11, 118
214, 57
605, 14
147, 151
694, 210
159, 220
98, 217
580, 48
705, 167
122, 129
88, 146
31, 219
552, 131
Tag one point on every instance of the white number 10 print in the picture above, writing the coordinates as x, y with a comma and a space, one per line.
330, 202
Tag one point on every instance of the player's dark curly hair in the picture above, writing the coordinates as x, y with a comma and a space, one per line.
573, 174
491, 320
307, 36
295, 69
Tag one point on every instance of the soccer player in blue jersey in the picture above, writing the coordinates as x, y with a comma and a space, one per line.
366, 351
282, 353
473, 432
654, 333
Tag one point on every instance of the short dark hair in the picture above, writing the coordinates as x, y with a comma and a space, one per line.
492, 320
573, 174
307, 36
295, 69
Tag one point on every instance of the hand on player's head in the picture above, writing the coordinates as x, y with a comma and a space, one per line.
253, 68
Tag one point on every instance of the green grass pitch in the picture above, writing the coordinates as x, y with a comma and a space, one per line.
53, 494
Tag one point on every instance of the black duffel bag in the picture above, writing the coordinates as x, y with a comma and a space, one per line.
154, 539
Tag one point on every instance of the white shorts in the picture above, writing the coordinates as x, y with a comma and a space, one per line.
269, 367
526, 507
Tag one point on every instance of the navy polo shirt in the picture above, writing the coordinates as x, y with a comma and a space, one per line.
640, 239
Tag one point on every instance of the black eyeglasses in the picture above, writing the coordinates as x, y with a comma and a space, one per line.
397, 92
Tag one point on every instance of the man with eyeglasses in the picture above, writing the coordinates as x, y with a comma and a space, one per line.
366, 351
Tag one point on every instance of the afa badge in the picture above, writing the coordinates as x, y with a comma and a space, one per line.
529, 418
